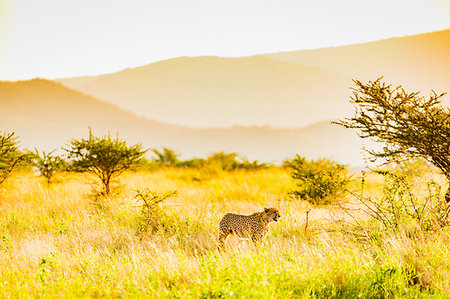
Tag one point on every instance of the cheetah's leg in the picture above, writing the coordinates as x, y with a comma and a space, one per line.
256, 238
223, 236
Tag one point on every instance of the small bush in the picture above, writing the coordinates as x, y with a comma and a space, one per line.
151, 216
196, 163
224, 161
48, 164
217, 161
401, 208
318, 181
166, 157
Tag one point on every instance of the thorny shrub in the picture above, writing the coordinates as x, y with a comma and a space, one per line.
401, 208
151, 217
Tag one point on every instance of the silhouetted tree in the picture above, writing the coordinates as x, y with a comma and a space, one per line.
408, 124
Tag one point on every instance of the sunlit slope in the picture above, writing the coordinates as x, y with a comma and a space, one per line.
284, 89
419, 62
46, 115
213, 91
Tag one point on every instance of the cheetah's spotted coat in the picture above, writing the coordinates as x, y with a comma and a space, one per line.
254, 226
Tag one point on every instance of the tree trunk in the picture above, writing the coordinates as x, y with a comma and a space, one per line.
107, 188
447, 195
106, 185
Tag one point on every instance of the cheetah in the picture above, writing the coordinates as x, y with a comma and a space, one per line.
254, 226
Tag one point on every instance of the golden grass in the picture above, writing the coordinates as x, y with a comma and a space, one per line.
58, 241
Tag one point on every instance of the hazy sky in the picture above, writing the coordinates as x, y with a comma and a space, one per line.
61, 38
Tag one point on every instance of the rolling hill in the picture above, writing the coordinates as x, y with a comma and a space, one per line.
46, 115
221, 92
290, 89
418, 62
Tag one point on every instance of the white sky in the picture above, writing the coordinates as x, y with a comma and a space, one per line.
63, 38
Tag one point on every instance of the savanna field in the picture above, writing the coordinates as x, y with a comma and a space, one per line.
157, 150
64, 240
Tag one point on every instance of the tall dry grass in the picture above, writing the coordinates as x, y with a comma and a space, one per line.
61, 241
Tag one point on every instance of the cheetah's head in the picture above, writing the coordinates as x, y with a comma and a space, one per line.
272, 214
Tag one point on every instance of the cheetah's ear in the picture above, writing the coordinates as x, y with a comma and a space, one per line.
266, 209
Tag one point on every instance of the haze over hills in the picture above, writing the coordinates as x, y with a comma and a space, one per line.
291, 89
218, 92
160, 103
46, 115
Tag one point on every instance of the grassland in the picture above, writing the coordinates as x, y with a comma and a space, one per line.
59, 241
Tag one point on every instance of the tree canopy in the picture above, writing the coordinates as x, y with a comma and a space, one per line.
105, 157
10, 155
408, 124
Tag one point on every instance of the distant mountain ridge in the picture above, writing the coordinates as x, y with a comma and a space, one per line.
46, 115
296, 92
221, 92
419, 62
290, 89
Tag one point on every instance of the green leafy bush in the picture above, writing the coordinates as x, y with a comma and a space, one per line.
196, 163
224, 161
216, 161
318, 181
166, 157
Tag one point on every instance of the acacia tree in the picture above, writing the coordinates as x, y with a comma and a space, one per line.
10, 155
105, 157
408, 124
